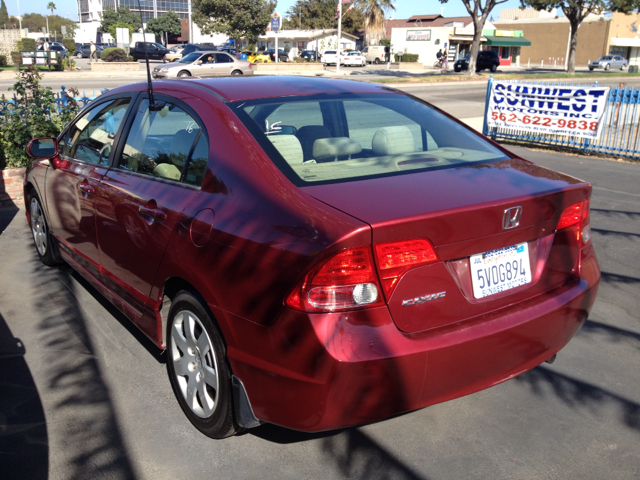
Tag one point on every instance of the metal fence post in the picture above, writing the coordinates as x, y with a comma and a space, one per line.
485, 127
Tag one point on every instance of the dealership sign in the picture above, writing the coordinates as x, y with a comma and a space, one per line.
547, 109
418, 35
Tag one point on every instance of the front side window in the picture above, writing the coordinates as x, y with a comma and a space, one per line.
167, 143
90, 139
337, 138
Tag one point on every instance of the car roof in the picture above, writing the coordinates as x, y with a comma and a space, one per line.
238, 88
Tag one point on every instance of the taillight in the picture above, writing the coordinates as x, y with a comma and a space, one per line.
346, 280
395, 258
577, 217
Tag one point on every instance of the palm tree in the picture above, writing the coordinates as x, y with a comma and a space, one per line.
52, 7
374, 11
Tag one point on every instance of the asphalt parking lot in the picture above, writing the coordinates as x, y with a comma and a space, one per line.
83, 395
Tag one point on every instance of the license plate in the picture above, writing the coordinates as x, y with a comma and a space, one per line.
499, 270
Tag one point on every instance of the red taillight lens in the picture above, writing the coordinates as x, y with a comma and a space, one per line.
577, 216
346, 280
395, 258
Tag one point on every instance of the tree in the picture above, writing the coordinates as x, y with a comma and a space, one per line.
4, 15
51, 6
167, 24
576, 11
319, 14
374, 11
35, 22
236, 18
121, 15
479, 15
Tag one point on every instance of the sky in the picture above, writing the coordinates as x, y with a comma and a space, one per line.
404, 8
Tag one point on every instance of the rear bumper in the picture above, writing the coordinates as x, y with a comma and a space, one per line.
326, 371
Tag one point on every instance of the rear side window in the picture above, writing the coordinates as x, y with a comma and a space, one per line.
338, 138
167, 143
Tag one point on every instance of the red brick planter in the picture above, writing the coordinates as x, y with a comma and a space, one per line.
11, 192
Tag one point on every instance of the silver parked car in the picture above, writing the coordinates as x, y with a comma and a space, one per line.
204, 64
609, 61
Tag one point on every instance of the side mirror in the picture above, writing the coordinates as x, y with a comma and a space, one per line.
43, 148
199, 62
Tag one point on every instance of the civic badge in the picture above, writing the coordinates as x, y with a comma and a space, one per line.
423, 299
511, 217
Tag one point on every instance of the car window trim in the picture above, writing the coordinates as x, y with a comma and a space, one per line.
116, 138
159, 97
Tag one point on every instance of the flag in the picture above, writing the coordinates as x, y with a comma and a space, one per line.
339, 10
351, 6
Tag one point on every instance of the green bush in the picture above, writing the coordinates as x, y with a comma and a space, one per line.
69, 44
19, 45
251, 47
385, 42
3, 60
28, 44
410, 57
16, 58
113, 54
34, 114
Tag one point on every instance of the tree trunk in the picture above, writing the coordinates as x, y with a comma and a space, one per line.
478, 24
573, 44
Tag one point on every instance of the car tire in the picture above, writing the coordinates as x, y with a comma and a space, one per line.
198, 367
457, 69
79, 55
607, 66
377, 61
184, 74
494, 68
591, 69
236, 72
623, 67
45, 245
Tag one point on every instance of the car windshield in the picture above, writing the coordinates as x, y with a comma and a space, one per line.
192, 57
607, 57
368, 136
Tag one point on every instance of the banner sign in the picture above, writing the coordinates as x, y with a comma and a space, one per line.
418, 35
276, 22
573, 111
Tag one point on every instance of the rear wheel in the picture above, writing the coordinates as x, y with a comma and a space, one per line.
494, 67
623, 67
236, 72
184, 73
45, 246
198, 368
607, 66
377, 61
591, 69
79, 54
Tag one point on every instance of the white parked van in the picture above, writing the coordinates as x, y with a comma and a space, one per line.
374, 53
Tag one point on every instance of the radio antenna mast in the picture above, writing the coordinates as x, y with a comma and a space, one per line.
152, 103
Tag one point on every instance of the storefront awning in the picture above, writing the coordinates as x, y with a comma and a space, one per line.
464, 38
507, 41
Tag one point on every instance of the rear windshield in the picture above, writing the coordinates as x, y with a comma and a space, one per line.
337, 138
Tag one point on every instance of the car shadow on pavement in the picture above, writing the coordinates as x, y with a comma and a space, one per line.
7, 214
80, 404
24, 445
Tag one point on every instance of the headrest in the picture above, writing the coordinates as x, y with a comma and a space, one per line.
335, 147
393, 141
289, 147
181, 144
166, 170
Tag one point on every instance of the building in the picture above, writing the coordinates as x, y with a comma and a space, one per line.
597, 35
90, 17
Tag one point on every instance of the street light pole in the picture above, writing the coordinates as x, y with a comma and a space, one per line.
19, 17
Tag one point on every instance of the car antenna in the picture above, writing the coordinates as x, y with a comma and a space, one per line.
153, 107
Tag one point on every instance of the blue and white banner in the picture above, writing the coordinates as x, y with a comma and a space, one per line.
572, 111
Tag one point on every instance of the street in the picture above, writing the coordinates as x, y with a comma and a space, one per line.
87, 396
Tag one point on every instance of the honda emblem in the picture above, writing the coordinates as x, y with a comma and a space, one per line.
511, 217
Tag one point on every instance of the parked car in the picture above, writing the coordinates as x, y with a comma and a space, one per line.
353, 58
194, 47
314, 253
329, 57
154, 51
282, 55
204, 64
174, 54
487, 59
257, 57
85, 51
309, 55
374, 54
58, 48
609, 61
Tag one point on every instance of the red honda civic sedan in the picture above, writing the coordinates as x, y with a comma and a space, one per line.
310, 252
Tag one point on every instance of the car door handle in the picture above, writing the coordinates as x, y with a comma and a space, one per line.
86, 188
154, 213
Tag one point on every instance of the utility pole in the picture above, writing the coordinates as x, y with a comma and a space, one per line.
339, 35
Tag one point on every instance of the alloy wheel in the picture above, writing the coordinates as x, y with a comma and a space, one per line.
38, 227
194, 363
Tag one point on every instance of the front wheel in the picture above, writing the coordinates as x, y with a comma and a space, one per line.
607, 66
623, 67
79, 54
197, 367
45, 246
591, 69
184, 74
494, 67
